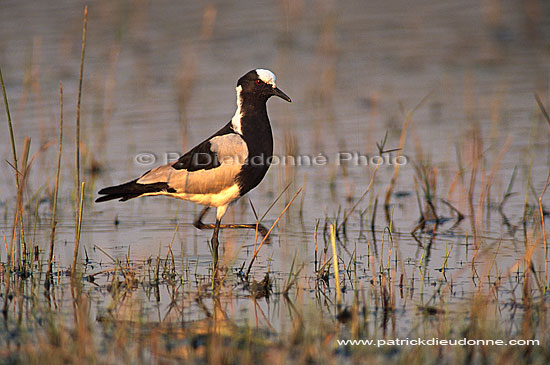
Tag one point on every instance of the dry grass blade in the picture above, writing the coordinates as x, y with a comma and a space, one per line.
360, 199
15, 163
10, 125
56, 189
542, 108
77, 231
84, 27
406, 122
269, 231
20, 205
275, 201
541, 212
106, 254
6, 281
335, 263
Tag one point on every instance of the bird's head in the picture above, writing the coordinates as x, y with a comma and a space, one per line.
260, 84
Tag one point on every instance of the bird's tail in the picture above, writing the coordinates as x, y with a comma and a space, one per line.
130, 190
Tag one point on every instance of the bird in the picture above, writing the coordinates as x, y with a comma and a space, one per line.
222, 168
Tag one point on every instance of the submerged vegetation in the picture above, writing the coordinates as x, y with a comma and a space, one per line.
437, 251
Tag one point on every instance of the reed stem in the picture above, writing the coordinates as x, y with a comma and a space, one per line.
56, 189
335, 263
84, 26
77, 232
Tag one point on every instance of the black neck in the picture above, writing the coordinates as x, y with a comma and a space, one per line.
254, 121
256, 131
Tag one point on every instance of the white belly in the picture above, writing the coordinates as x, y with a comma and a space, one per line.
222, 198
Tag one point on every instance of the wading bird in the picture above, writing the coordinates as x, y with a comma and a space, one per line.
222, 168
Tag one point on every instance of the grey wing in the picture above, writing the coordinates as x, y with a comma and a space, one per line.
231, 152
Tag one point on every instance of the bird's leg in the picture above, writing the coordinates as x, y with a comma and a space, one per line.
200, 225
198, 221
215, 243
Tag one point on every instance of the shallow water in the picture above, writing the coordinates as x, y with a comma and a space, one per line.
159, 78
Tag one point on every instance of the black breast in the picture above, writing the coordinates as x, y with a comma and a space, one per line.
259, 139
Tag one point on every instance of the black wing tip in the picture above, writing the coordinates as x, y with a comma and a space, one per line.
121, 191
105, 198
130, 190
103, 191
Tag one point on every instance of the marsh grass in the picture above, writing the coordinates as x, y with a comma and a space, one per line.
347, 306
56, 189
169, 308
80, 80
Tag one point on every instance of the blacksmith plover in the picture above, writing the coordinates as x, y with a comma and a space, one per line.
224, 167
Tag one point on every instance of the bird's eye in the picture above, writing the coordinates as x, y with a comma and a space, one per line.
258, 82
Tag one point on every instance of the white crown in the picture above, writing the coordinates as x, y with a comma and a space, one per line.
266, 76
